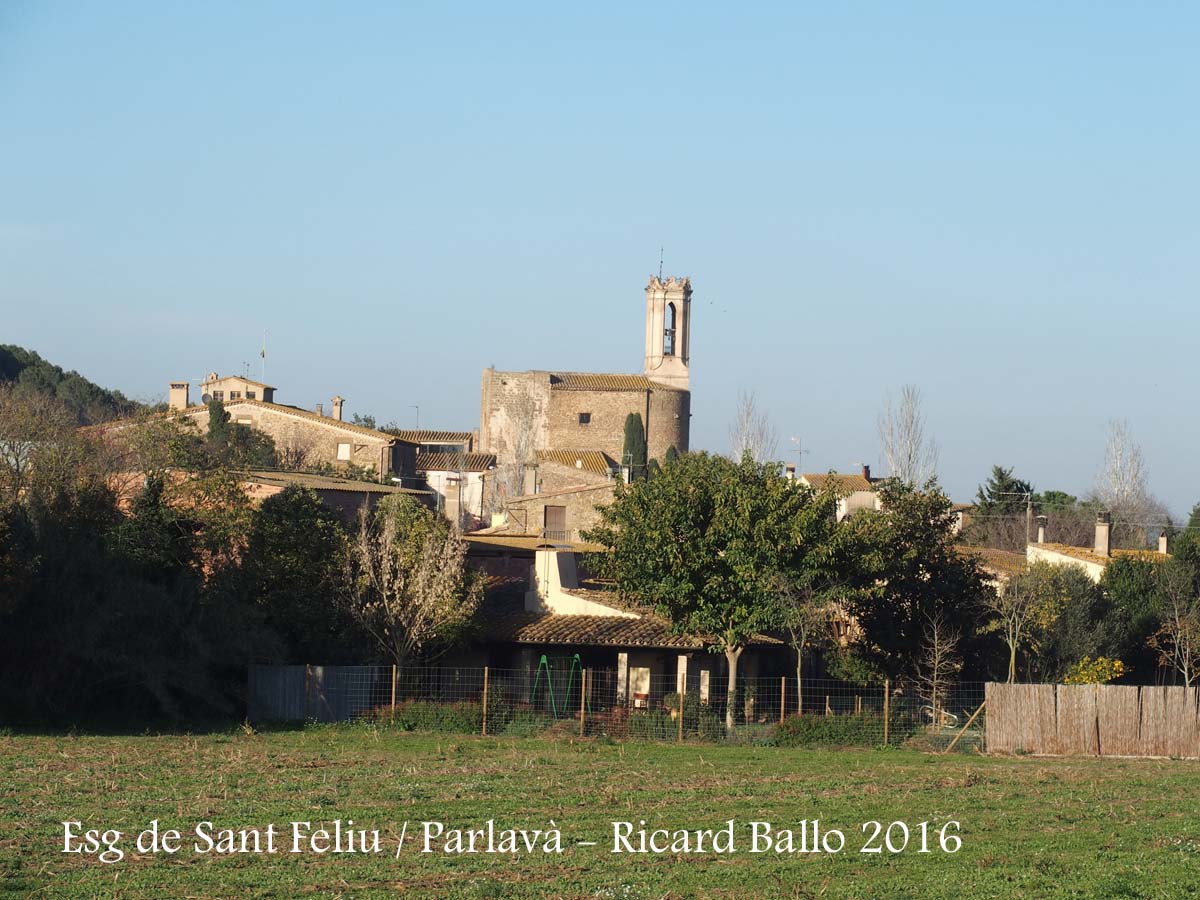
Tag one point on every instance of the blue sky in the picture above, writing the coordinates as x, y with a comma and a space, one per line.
998, 205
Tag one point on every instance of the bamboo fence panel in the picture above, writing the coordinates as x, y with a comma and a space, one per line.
1093, 720
1076, 721
1119, 712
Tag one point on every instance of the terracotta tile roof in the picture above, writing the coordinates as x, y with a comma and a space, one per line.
425, 436
1002, 562
589, 460
609, 631
302, 414
326, 483
587, 381
221, 378
1087, 554
528, 542
845, 482
455, 462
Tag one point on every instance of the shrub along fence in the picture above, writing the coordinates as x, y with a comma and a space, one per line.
563, 696
1093, 720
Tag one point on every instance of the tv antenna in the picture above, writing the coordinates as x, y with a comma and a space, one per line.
660, 261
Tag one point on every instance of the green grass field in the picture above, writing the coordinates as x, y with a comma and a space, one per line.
1029, 827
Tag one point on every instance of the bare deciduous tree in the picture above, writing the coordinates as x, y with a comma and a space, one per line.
939, 664
911, 456
752, 431
1178, 640
519, 445
295, 453
1027, 605
1121, 488
407, 582
807, 617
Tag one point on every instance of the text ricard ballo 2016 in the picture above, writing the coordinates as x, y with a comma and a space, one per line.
634, 838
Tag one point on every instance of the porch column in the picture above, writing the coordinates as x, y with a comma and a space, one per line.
622, 679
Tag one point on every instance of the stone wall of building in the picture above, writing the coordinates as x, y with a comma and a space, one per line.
550, 476
514, 409
665, 415
323, 440
528, 514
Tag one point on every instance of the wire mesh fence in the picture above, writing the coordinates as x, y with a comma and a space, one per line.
561, 695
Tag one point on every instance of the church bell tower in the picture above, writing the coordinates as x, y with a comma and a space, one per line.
668, 330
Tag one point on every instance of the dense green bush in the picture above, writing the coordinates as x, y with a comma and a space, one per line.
652, 724
852, 730
427, 715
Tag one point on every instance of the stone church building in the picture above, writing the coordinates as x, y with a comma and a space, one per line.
566, 430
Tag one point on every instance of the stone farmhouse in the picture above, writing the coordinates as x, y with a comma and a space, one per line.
307, 438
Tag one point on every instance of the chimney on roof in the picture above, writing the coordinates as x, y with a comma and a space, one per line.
789, 471
336, 403
1042, 520
320, 409
1103, 534
867, 473
177, 396
1162, 543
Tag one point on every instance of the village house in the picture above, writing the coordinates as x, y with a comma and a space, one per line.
543, 611
303, 439
1095, 559
857, 490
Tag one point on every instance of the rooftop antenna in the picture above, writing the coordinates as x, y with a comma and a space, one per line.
660, 261
263, 354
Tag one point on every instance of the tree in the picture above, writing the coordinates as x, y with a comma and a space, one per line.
703, 543
940, 662
633, 452
752, 432
1178, 639
911, 457
673, 454
295, 557
1082, 624
517, 444
1132, 587
1121, 488
407, 582
911, 571
237, 445
1000, 511
1023, 610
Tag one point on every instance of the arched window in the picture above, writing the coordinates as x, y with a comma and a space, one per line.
669, 331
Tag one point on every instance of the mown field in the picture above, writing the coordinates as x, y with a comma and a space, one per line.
1029, 827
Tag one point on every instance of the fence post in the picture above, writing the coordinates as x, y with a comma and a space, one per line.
887, 694
485, 692
393, 690
782, 697
583, 677
965, 727
307, 688
682, 696
828, 710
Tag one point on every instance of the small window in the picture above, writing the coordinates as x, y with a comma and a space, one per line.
219, 395
235, 395
343, 452
250, 395
585, 418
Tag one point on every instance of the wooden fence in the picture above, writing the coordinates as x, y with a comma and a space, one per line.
1093, 720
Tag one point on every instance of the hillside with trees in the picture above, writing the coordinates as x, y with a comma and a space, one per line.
86, 401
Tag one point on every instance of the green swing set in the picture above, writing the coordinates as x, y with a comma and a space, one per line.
544, 666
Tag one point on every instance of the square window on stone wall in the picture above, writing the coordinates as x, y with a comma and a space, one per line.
343, 452
585, 418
